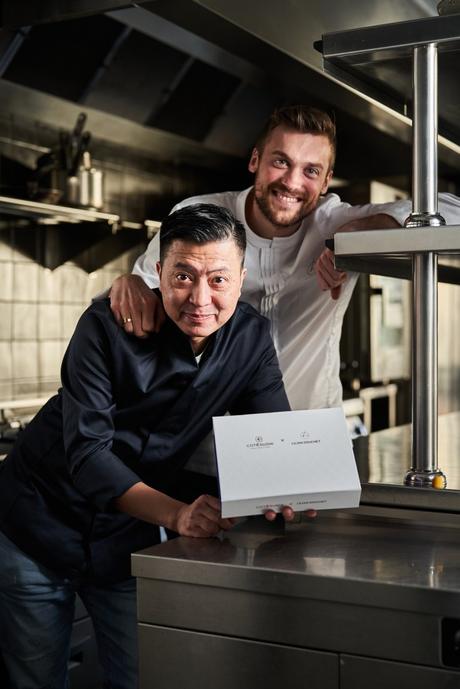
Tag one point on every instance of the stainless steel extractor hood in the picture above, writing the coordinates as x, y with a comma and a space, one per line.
209, 71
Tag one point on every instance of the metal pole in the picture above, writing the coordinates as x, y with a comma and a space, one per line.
424, 470
425, 138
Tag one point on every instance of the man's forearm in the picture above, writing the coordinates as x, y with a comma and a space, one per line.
142, 502
381, 221
329, 278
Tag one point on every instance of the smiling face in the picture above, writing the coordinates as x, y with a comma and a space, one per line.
292, 171
200, 285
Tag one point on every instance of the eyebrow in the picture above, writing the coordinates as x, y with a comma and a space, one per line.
282, 154
188, 266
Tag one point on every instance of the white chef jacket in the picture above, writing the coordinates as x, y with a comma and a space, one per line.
281, 284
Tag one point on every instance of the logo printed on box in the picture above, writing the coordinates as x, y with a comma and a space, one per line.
305, 439
259, 444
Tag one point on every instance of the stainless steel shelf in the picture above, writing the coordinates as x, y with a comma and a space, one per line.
400, 242
393, 267
152, 226
356, 45
376, 60
52, 214
91, 238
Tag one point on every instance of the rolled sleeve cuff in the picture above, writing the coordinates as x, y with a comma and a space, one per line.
102, 478
398, 210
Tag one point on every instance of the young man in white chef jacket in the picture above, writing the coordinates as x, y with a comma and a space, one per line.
288, 214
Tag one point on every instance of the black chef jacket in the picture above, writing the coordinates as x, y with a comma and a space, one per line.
129, 409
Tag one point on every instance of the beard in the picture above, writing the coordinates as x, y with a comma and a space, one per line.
283, 217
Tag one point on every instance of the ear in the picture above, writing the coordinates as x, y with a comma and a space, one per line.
327, 181
254, 160
158, 266
243, 275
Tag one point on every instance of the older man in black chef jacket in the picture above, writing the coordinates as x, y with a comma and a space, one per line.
102, 464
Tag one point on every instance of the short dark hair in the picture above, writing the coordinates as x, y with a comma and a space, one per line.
303, 119
201, 223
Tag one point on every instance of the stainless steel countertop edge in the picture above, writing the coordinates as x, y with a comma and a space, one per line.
152, 565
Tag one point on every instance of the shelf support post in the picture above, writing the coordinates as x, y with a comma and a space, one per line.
424, 471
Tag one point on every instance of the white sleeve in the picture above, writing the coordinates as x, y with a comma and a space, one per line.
399, 210
341, 213
146, 264
449, 208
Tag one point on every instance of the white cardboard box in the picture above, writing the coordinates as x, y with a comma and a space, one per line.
303, 459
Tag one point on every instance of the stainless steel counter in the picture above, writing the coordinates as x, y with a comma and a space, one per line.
352, 599
353, 555
377, 599
384, 457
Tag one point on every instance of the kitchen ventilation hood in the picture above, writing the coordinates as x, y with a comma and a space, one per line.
210, 71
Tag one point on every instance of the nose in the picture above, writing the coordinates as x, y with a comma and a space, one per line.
293, 178
200, 294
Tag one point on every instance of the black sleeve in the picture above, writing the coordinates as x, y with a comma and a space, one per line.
264, 391
87, 408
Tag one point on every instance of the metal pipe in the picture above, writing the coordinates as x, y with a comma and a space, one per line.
424, 470
425, 139
424, 364
425, 123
